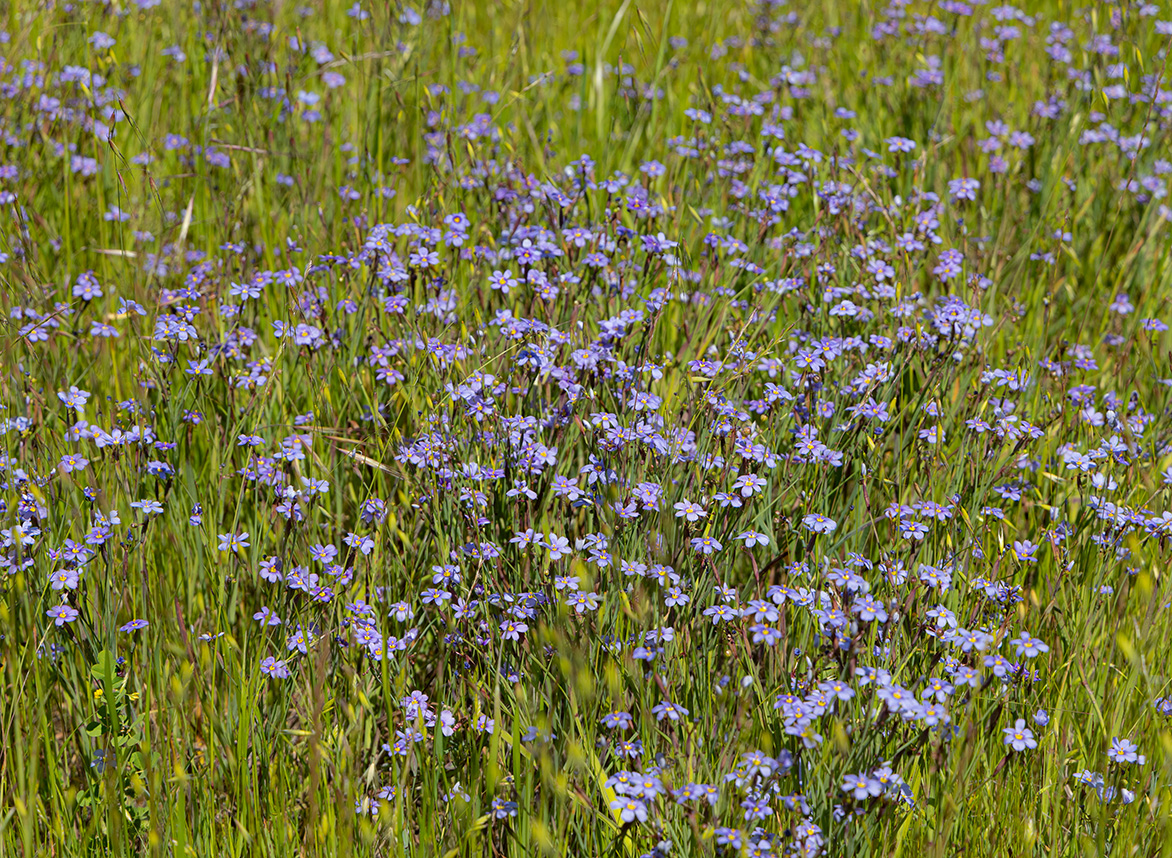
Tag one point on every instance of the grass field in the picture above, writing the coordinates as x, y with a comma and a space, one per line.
606, 429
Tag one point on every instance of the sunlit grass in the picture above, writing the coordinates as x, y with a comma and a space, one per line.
359, 380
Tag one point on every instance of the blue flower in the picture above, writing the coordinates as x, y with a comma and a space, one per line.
62, 614
1019, 737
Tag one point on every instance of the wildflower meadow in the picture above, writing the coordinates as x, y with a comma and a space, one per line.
624, 429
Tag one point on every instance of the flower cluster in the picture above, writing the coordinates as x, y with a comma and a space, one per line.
725, 485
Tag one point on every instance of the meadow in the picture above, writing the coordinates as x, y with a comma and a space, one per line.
631, 429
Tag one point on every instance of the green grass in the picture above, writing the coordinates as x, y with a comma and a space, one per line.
206, 755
